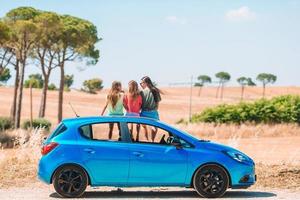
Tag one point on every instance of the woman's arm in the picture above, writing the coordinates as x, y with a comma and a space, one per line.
125, 103
104, 108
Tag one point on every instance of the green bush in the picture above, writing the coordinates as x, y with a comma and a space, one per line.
37, 123
5, 123
36, 81
92, 85
283, 109
52, 86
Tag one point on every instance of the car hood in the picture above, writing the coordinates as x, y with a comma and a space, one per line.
216, 147
220, 147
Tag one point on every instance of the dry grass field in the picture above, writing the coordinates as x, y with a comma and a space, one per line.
175, 104
275, 148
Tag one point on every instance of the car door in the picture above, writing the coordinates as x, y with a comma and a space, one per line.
154, 164
107, 159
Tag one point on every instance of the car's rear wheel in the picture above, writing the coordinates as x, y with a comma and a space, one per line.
70, 181
211, 181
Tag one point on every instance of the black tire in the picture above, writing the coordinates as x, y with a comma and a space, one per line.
211, 181
70, 181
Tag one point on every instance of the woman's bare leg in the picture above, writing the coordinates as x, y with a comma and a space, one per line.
111, 127
153, 133
138, 128
146, 132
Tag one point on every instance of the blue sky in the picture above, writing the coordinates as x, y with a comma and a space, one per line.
172, 40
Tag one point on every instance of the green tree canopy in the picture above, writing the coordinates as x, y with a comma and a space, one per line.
23, 37
202, 79
250, 82
4, 33
22, 13
266, 78
92, 85
223, 77
242, 81
69, 79
76, 41
36, 81
5, 75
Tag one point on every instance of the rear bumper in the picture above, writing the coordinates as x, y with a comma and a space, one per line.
43, 174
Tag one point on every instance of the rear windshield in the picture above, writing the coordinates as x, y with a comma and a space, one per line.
60, 129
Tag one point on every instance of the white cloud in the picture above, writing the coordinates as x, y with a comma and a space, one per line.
175, 20
240, 14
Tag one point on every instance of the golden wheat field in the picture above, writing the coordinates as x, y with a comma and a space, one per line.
275, 148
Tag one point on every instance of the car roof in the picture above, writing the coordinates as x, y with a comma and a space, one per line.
93, 119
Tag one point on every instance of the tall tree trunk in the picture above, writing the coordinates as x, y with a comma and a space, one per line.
31, 114
14, 104
217, 93
61, 92
199, 92
264, 90
242, 92
222, 89
44, 96
20, 94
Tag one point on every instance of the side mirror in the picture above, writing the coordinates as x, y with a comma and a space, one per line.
177, 145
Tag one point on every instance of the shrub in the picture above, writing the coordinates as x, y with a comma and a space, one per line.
52, 86
37, 123
36, 81
92, 85
5, 123
5, 75
283, 109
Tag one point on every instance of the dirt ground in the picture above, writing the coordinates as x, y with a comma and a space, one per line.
41, 191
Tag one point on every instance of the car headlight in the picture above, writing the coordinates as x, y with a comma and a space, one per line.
237, 156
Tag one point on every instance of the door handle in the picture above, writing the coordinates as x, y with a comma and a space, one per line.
138, 154
88, 150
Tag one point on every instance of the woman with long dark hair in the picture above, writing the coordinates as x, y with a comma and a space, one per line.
151, 98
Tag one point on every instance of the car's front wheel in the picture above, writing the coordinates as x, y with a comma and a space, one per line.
70, 181
211, 181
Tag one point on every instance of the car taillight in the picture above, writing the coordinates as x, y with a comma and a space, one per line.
49, 147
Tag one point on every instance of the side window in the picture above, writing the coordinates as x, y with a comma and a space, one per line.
102, 131
106, 131
148, 134
60, 129
86, 131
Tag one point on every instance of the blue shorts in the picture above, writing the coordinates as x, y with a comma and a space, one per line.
150, 114
130, 114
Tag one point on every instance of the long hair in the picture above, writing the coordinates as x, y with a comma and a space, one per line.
133, 89
114, 93
155, 91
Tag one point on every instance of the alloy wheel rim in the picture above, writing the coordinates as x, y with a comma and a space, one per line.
70, 181
211, 181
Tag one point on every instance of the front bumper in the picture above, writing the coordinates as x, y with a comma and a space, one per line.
243, 177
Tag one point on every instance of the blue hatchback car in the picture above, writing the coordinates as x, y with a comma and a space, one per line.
136, 151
